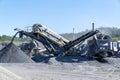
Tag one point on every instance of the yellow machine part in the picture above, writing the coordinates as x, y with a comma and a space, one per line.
58, 42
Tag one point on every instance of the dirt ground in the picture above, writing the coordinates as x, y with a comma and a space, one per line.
86, 70
15, 65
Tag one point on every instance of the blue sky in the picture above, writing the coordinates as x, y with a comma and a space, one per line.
59, 15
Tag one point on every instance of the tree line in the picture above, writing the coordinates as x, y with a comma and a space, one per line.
113, 32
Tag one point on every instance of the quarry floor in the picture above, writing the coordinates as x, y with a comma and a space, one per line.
15, 65
54, 70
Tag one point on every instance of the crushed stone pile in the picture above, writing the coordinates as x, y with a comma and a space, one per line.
12, 54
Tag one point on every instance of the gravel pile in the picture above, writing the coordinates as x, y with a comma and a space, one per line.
12, 54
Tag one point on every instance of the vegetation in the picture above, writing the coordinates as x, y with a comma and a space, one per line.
113, 32
115, 39
7, 39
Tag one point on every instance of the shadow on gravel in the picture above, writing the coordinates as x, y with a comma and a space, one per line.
102, 60
41, 58
65, 59
71, 59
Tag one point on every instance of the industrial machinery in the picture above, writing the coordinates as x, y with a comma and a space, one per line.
99, 46
59, 46
53, 42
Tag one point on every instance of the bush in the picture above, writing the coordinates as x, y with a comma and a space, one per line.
115, 39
